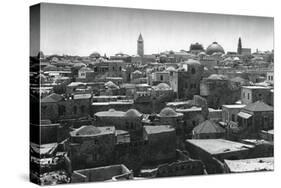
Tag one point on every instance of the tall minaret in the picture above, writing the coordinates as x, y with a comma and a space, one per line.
239, 48
140, 46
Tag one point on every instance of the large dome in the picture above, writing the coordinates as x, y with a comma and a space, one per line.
214, 48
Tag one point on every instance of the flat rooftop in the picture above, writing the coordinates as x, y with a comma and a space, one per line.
121, 102
234, 105
218, 146
158, 129
256, 87
105, 173
250, 165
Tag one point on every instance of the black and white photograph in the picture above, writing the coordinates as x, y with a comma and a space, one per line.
122, 93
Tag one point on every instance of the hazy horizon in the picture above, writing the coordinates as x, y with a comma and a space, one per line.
81, 30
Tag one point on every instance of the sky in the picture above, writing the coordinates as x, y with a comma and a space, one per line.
81, 30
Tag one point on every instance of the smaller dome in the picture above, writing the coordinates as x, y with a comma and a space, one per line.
163, 86
192, 62
236, 59
133, 113
170, 68
79, 65
111, 110
169, 112
88, 130
50, 68
111, 85
196, 46
137, 72
95, 55
216, 77
202, 53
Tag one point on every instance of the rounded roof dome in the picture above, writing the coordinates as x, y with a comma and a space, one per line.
196, 46
137, 72
236, 59
95, 55
217, 77
50, 68
192, 62
202, 53
170, 68
168, 112
214, 48
88, 130
133, 113
79, 65
163, 86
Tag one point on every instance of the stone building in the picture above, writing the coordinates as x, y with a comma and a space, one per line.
213, 152
161, 142
218, 91
251, 94
229, 112
185, 81
130, 121
255, 117
169, 116
92, 146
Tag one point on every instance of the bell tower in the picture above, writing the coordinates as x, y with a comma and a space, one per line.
140, 46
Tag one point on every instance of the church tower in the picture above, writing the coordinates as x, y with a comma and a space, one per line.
140, 46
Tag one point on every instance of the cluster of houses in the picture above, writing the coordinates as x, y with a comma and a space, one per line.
160, 115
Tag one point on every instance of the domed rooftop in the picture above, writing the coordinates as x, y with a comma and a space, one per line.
236, 59
168, 112
95, 55
202, 53
192, 62
87, 131
208, 127
137, 72
196, 46
163, 86
133, 113
170, 68
214, 48
217, 77
111, 85
79, 65
50, 68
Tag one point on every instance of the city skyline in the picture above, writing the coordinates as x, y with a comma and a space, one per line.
110, 30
